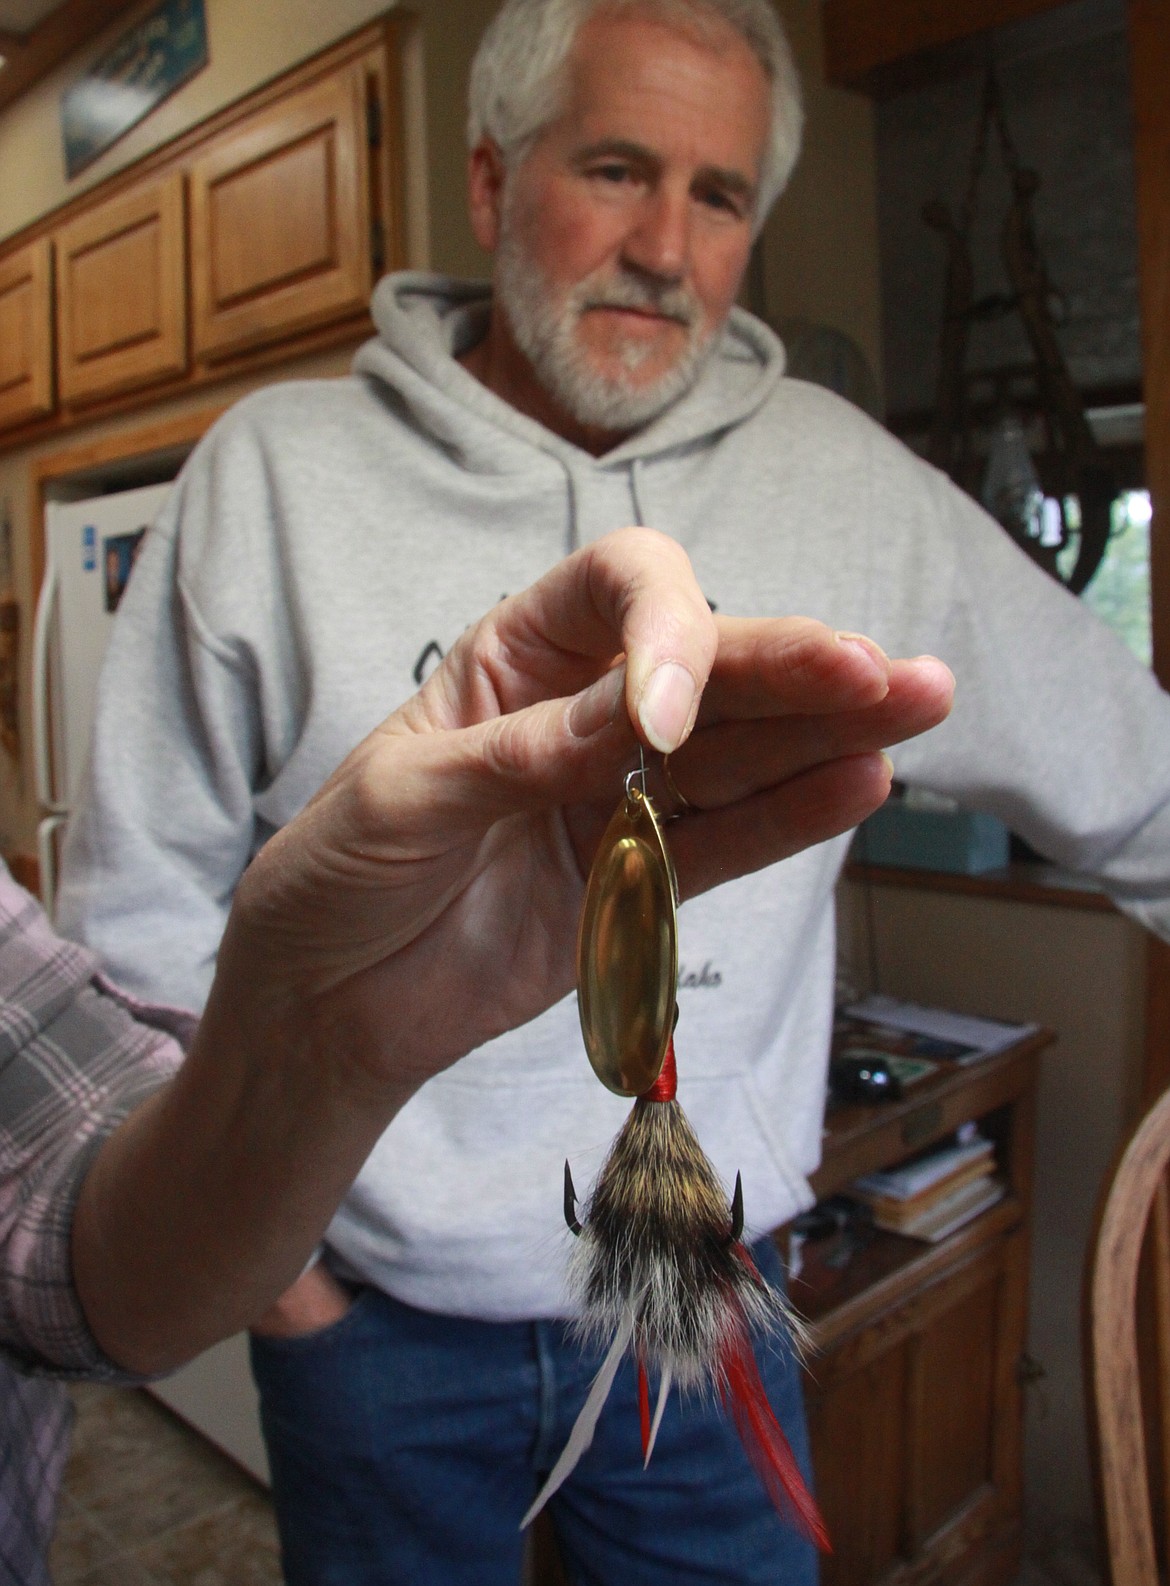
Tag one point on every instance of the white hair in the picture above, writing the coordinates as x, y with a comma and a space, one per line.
517, 76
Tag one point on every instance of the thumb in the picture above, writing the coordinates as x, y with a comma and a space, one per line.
669, 636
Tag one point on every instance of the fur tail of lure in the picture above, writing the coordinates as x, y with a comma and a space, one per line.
660, 1271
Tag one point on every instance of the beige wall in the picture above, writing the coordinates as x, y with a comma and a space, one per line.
821, 242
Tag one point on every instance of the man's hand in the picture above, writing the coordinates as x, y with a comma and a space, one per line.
427, 899
314, 1302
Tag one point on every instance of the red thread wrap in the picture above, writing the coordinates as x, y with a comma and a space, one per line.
665, 1087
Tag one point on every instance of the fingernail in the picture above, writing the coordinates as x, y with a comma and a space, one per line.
873, 652
666, 705
597, 706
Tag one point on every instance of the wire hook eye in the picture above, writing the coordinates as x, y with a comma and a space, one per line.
639, 773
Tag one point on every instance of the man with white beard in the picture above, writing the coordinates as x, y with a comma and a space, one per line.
328, 540
618, 258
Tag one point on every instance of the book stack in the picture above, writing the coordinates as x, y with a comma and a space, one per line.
933, 1195
913, 1030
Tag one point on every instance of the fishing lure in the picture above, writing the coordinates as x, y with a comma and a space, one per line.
660, 1269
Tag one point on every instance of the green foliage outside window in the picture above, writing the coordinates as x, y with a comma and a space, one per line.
1120, 589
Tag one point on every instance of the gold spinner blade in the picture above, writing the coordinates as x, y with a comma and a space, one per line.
627, 950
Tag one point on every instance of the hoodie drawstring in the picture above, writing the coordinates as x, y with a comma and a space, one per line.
573, 529
636, 464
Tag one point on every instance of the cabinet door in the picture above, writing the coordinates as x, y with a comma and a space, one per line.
26, 334
280, 220
121, 293
916, 1428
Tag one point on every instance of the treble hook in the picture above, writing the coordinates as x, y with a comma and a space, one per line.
570, 1202
736, 1209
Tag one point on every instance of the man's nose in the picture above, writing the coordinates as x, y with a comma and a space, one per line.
659, 243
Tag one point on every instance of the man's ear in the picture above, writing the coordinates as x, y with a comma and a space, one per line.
485, 192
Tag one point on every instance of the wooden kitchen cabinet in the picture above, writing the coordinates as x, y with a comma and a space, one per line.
121, 293
253, 238
914, 1389
281, 219
26, 333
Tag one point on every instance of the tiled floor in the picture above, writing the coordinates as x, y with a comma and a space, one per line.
149, 1503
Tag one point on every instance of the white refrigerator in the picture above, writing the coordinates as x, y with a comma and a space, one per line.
89, 553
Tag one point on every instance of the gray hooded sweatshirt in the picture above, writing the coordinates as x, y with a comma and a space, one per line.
329, 541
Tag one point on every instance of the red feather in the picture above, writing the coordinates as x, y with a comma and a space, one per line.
761, 1435
644, 1409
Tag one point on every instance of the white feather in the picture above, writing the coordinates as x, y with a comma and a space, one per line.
586, 1423
663, 1390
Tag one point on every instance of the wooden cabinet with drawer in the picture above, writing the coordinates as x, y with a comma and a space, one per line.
121, 293
914, 1388
280, 219
26, 333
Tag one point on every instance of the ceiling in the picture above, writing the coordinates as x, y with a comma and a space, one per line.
37, 35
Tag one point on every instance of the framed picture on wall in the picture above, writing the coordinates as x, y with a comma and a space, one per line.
141, 69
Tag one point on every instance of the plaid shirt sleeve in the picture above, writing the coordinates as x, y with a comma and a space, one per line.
76, 1057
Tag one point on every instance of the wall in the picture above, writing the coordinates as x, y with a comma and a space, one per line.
820, 246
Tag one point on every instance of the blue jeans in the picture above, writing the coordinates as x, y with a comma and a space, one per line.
406, 1446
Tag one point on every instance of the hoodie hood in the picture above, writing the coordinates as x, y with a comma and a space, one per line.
426, 322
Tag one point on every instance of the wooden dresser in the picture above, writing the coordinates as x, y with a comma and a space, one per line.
915, 1389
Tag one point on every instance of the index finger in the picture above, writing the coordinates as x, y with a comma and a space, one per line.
633, 592
791, 666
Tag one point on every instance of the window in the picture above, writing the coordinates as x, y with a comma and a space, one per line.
1119, 591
